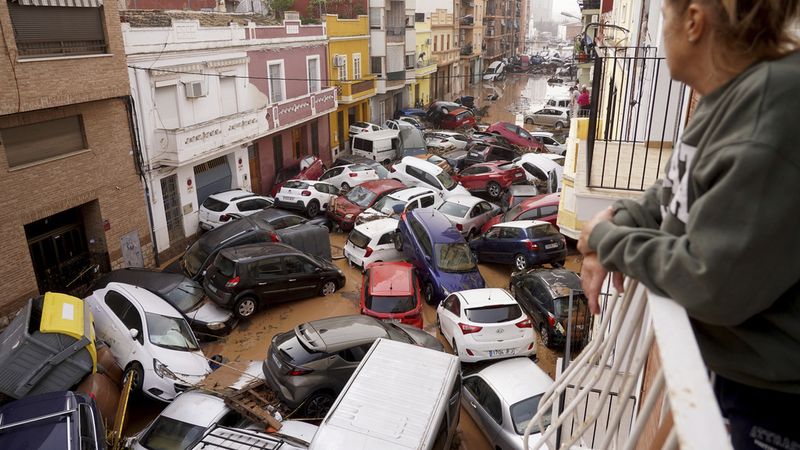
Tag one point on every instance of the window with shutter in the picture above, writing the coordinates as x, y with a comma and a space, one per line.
43, 141
51, 31
277, 84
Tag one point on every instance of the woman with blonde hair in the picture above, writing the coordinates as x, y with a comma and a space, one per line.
719, 233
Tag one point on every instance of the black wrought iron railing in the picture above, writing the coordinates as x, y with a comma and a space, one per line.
634, 118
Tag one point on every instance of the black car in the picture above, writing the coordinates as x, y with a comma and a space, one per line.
456, 159
247, 277
205, 318
480, 152
344, 160
544, 294
269, 225
516, 194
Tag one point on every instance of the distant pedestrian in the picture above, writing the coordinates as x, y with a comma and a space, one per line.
584, 102
573, 101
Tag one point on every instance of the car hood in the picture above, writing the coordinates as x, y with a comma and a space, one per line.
346, 206
459, 281
192, 364
209, 312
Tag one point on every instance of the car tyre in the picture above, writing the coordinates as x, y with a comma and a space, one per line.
529, 120
398, 241
312, 209
558, 264
519, 262
558, 126
318, 404
135, 370
545, 336
494, 189
328, 288
345, 187
428, 292
245, 307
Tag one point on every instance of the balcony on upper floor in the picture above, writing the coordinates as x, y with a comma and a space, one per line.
425, 67
395, 34
445, 57
354, 91
589, 6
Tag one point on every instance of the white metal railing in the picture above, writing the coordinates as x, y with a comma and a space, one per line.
676, 409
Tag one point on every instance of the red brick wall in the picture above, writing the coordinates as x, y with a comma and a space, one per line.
191, 5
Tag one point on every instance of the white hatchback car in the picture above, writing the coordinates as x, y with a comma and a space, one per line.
218, 209
308, 196
149, 338
349, 175
468, 213
446, 139
362, 127
546, 138
413, 171
483, 324
543, 169
400, 201
371, 242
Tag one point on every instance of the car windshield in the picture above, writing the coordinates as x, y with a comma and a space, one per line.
523, 411
186, 295
361, 125
561, 306
455, 258
215, 205
195, 257
541, 231
454, 209
390, 304
170, 332
361, 196
512, 213
388, 205
397, 334
171, 434
446, 181
493, 314
358, 239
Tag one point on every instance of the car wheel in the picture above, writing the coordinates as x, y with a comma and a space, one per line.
328, 288
398, 241
135, 370
559, 126
429, 293
544, 335
494, 189
345, 187
318, 404
558, 264
529, 120
245, 307
519, 262
312, 209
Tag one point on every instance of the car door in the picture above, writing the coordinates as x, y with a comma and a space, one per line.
333, 176
302, 276
507, 244
117, 333
541, 301
326, 193
269, 281
540, 117
487, 250
385, 248
527, 292
480, 213
467, 177
448, 316
483, 404
344, 363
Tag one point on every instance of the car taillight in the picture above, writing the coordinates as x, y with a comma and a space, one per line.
233, 282
306, 193
391, 169
353, 174
551, 320
524, 324
298, 371
467, 329
224, 218
368, 252
459, 227
274, 237
532, 246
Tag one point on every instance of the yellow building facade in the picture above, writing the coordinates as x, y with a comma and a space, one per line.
425, 66
349, 71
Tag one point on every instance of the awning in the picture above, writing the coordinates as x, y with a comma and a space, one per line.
63, 3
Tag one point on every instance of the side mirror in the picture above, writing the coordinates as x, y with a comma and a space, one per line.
317, 269
134, 333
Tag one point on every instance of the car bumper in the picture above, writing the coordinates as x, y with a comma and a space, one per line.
166, 389
297, 206
221, 298
523, 346
344, 224
534, 259
202, 329
288, 397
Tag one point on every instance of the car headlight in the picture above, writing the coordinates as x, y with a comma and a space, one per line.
215, 325
162, 370
348, 216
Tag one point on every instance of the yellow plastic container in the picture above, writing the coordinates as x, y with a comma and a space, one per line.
65, 314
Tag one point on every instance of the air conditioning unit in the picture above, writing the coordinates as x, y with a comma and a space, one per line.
339, 60
195, 89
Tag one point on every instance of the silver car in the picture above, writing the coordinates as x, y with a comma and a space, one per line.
551, 116
503, 397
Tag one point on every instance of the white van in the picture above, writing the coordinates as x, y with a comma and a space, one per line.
401, 396
381, 146
494, 71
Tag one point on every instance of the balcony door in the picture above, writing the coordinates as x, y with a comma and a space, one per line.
343, 144
255, 168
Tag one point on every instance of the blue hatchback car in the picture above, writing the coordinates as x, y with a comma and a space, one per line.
439, 253
523, 243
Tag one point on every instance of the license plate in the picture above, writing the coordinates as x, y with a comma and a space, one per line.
549, 246
501, 352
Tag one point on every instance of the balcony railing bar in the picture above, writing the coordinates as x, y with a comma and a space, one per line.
656, 71
638, 102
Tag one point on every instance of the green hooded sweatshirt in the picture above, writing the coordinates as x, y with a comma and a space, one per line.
720, 233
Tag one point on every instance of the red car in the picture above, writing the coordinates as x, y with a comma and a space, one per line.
390, 292
542, 207
491, 177
458, 119
344, 209
516, 135
309, 168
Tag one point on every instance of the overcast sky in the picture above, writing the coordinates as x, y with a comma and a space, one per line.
570, 6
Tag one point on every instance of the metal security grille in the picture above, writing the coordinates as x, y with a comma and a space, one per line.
42, 31
172, 208
212, 177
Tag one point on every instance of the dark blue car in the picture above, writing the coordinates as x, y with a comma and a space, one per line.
523, 243
440, 254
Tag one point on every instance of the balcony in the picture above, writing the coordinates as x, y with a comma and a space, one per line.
639, 383
395, 34
353, 91
466, 50
425, 67
589, 5
443, 58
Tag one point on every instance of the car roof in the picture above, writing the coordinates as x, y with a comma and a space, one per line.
540, 200
334, 334
465, 200
516, 379
38, 405
380, 134
558, 281
246, 252
391, 278
492, 164
147, 300
421, 164
150, 279
456, 111
196, 408
476, 298
520, 224
381, 186
213, 238
438, 226
407, 193
270, 214
232, 195
379, 226
541, 133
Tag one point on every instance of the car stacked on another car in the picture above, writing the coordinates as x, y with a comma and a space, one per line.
438, 160
552, 145
542, 170
220, 208
350, 175
516, 135
458, 119
483, 324
442, 257
540, 207
416, 172
494, 178
308, 196
481, 152
309, 168
345, 160
307, 367
467, 213
346, 208
444, 140
390, 292
362, 127
517, 194
247, 278
523, 243
370, 242
394, 204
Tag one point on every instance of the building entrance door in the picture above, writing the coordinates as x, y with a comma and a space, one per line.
255, 168
172, 208
59, 251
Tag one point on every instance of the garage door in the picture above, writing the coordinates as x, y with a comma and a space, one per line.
212, 177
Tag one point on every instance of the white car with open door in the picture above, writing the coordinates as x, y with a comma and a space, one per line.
308, 196
541, 170
372, 242
349, 175
218, 209
149, 338
546, 138
482, 324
